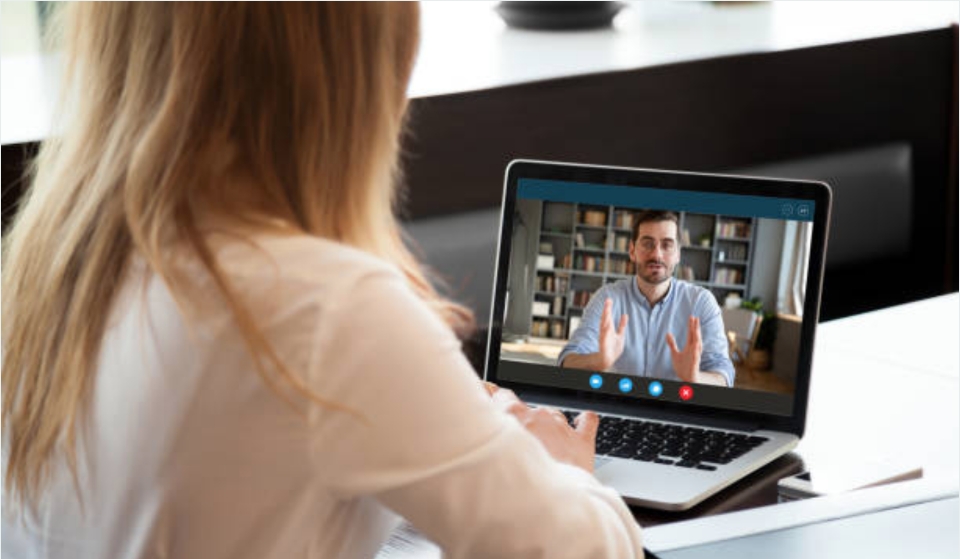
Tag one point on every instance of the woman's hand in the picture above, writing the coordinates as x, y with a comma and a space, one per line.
576, 446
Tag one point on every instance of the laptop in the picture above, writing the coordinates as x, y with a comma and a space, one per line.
661, 245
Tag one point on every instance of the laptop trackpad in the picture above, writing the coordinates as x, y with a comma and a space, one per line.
599, 462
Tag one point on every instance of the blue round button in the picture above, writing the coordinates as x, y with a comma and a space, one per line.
626, 385
596, 381
655, 389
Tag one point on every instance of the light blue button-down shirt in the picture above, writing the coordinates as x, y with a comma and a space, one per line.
646, 353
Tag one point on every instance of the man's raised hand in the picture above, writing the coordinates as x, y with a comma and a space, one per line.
611, 340
686, 363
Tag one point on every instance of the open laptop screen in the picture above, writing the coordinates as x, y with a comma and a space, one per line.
674, 295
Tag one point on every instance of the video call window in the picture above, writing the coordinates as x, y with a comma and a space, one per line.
576, 269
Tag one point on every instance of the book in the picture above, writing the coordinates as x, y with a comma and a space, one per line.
557, 307
540, 308
545, 261
840, 476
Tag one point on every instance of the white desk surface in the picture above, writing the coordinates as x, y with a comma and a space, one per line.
465, 46
885, 383
886, 386
833, 510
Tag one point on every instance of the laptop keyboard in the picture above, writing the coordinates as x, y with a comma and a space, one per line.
667, 444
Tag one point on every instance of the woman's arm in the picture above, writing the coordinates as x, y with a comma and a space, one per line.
436, 449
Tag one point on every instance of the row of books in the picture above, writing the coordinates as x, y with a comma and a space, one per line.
596, 218
553, 284
546, 262
581, 242
553, 306
621, 243
685, 272
732, 251
588, 263
557, 306
621, 266
623, 219
581, 298
739, 229
584, 262
729, 276
554, 328
547, 328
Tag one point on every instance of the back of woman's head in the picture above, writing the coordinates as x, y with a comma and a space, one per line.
305, 98
176, 114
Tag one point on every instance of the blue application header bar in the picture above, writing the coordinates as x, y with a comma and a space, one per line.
739, 205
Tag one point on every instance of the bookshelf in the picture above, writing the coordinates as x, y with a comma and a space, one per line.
582, 247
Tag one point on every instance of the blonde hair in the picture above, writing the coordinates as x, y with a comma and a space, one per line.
308, 99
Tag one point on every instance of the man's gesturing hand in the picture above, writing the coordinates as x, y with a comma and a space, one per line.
611, 341
686, 363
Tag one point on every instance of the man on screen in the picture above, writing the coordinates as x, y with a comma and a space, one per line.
667, 328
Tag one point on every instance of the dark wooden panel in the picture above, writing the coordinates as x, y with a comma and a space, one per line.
708, 115
718, 114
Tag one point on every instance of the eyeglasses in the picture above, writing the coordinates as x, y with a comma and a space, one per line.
649, 244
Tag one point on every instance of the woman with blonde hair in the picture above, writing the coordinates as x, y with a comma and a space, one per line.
215, 343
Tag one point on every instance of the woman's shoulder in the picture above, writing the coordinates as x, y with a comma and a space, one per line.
300, 261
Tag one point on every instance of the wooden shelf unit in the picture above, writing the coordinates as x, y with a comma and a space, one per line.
589, 245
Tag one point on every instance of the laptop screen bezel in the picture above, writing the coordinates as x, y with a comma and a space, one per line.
817, 192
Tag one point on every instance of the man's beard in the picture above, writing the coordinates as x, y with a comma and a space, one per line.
655, 277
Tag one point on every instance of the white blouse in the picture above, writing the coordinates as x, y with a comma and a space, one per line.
187, 452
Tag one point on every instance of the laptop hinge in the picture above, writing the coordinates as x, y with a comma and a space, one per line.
640, 412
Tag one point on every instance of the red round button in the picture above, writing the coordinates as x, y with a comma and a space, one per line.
686, 392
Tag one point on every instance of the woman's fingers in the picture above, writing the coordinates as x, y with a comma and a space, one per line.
586, 424
567, 444
506, 400
552, 414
